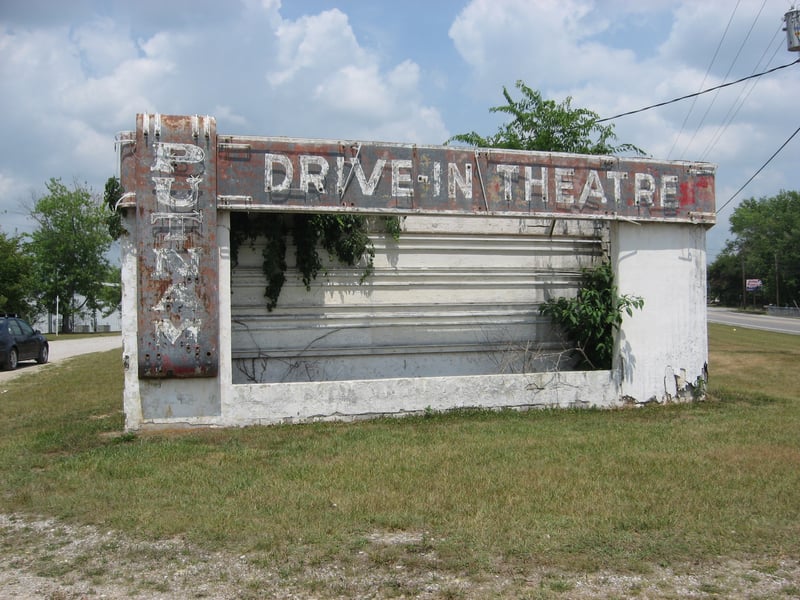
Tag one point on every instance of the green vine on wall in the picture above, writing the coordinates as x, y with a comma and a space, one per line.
591, 318
344, 236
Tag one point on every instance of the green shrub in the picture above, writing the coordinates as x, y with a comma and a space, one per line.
591, 318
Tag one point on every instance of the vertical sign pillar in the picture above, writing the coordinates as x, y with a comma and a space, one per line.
178, 263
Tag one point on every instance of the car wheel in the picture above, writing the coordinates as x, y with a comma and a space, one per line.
12, 359
44, 353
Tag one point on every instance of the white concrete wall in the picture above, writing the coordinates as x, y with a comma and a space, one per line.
663, 349
170, 402
132, 397
261, 404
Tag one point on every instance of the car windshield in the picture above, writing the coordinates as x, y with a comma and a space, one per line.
25, 328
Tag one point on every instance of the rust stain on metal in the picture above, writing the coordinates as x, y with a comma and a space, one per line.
172, 168
286, 174
177, 173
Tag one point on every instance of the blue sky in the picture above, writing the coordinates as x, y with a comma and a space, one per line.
75, 73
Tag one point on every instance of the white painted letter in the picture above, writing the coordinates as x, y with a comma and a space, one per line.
669, 191
169, 154
563, 183
180, 202
454, 179
315, 179
617, 176
401, 182
508, 171
645, 189
530, 182
592, 188
368, 187
340, 175
269, 186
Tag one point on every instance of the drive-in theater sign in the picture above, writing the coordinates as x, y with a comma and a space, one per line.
450, 318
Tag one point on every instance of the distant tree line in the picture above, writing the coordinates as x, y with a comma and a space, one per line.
765, 246
62, 263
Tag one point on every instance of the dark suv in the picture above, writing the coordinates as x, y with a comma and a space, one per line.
19, 341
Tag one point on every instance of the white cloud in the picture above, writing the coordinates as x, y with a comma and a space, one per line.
354, 89
227, 115
343, 88
74, 77
546, 43
103, 46
555, 46
315, 44
13, 215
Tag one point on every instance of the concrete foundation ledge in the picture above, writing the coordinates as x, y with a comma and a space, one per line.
261, 404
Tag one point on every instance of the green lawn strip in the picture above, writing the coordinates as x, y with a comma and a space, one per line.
754, 362
475, 491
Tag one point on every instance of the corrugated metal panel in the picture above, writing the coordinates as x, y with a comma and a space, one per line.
452, 297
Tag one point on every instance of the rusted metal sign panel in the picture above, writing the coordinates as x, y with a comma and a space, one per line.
287, 174
177, 173
168, 169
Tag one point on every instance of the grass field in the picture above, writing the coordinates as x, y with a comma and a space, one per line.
484, 493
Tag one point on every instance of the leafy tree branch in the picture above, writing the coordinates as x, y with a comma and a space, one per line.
593, 316
548, 126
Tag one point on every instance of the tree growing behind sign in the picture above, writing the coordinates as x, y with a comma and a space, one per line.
590, 319
548, 126
68, 250
766, 246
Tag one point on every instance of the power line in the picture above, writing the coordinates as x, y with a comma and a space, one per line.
769, 160
742, 98
730, 83
725, 78
702, 83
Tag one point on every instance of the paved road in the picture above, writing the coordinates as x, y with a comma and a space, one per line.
62, 349
737, 319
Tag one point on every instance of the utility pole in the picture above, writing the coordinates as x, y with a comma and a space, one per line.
792, 30
744, 282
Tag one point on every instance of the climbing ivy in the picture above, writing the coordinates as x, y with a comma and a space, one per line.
591, 318
344, 236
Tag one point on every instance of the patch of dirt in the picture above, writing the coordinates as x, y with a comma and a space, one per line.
43, 558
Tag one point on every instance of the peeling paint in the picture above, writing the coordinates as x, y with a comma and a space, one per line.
181, 179
288, 174
172, 168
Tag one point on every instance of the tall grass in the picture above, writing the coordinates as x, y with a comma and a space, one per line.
479, 491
